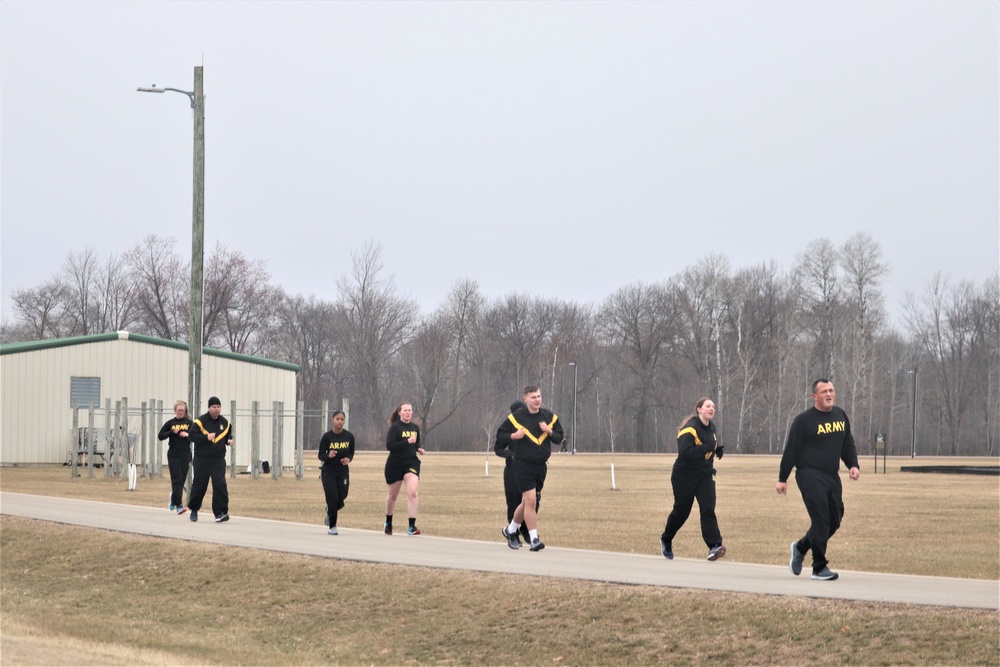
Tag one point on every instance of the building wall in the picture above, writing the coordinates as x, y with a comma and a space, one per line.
36, 419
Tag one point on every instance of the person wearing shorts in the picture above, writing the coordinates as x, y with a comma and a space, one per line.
402, 466
533, 431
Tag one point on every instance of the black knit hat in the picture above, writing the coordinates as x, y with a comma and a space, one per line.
214, 401
517, 405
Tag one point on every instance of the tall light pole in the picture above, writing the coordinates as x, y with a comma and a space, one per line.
913, 415
575, 375
196, 308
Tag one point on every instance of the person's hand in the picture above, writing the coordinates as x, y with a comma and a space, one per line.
420, 450
344, 462
855, 474
229, 442
211, 437
719, 451
517, 435
781, 488
545, 427
332, 454
412, 439
182, 434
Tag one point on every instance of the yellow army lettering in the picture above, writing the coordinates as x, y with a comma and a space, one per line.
830, 427
408, 434
179, 427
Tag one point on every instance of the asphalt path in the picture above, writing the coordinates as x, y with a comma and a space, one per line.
448, 553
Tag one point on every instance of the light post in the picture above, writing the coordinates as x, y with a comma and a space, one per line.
575, 375
913, 414
195, 314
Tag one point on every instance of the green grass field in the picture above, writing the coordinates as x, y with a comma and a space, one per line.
76, 596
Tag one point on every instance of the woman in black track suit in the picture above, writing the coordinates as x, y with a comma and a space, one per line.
402, 466
336, 451
178, 453
693, 477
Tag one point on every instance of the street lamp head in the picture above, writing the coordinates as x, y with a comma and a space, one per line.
153, 89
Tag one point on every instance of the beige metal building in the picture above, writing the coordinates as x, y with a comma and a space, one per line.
40, 381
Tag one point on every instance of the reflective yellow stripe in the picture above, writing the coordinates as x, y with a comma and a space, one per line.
218, 437
693, 432
539, 440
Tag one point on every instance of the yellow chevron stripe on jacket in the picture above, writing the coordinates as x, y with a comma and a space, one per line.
218, 437
539, 440
693, 432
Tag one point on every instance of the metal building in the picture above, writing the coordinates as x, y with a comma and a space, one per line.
41, 381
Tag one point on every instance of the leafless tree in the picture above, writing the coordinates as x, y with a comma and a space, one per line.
379, 322
818, 277
42, 309
162, 287
80, 277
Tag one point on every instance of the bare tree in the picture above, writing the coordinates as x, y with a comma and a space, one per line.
817, 275
80, 277
162, 287
42, 309
864, 270
379, 322
117, 298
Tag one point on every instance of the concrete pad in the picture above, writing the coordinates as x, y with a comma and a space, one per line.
448, 553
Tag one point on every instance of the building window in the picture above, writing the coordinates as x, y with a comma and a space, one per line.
85, 392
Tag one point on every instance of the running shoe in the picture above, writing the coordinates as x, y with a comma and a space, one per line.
222, 517
715, 553
194, 515
826, 574
536, 545
332, 531
412, 530
388, 528
513, 541
795, 563
666, 549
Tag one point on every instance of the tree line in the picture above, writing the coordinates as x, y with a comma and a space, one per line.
620, 373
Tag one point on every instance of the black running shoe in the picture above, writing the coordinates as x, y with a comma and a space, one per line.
536, 545
513, 541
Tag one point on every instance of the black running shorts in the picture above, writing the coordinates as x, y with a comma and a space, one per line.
394, 472
529, 475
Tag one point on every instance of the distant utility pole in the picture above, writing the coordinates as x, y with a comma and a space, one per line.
196, 307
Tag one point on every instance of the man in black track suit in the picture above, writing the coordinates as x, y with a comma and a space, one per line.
211, 434
818, 440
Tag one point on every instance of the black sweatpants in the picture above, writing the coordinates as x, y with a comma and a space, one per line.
178, 464
206, 469
336, 485
689, 486
823, 495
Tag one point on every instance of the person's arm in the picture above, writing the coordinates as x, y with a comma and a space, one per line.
166, 430
350, 451
688, 448
557, 434
324, 448
849, 452
790, 457
503, 446
394, 441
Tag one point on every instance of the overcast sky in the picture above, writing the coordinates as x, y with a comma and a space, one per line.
562, 149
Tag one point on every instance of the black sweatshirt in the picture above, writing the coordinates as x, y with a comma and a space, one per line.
819, 440
536, 445
204, 425
696, 445
172, 430
401, 451
342, 443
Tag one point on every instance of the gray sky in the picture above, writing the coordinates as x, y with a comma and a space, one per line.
558, 149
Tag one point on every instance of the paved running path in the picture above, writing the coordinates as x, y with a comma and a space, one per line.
442, 552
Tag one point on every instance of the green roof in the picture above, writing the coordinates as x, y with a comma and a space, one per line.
33, 345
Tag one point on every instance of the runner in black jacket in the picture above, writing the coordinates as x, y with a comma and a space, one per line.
212, 433
693, 477
178, 453
505, 450
533, 431
336, 451
818, 440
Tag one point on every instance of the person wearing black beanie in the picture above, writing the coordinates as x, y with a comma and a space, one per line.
505, 449
211, 434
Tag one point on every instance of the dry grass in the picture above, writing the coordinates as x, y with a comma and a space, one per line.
72, 595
